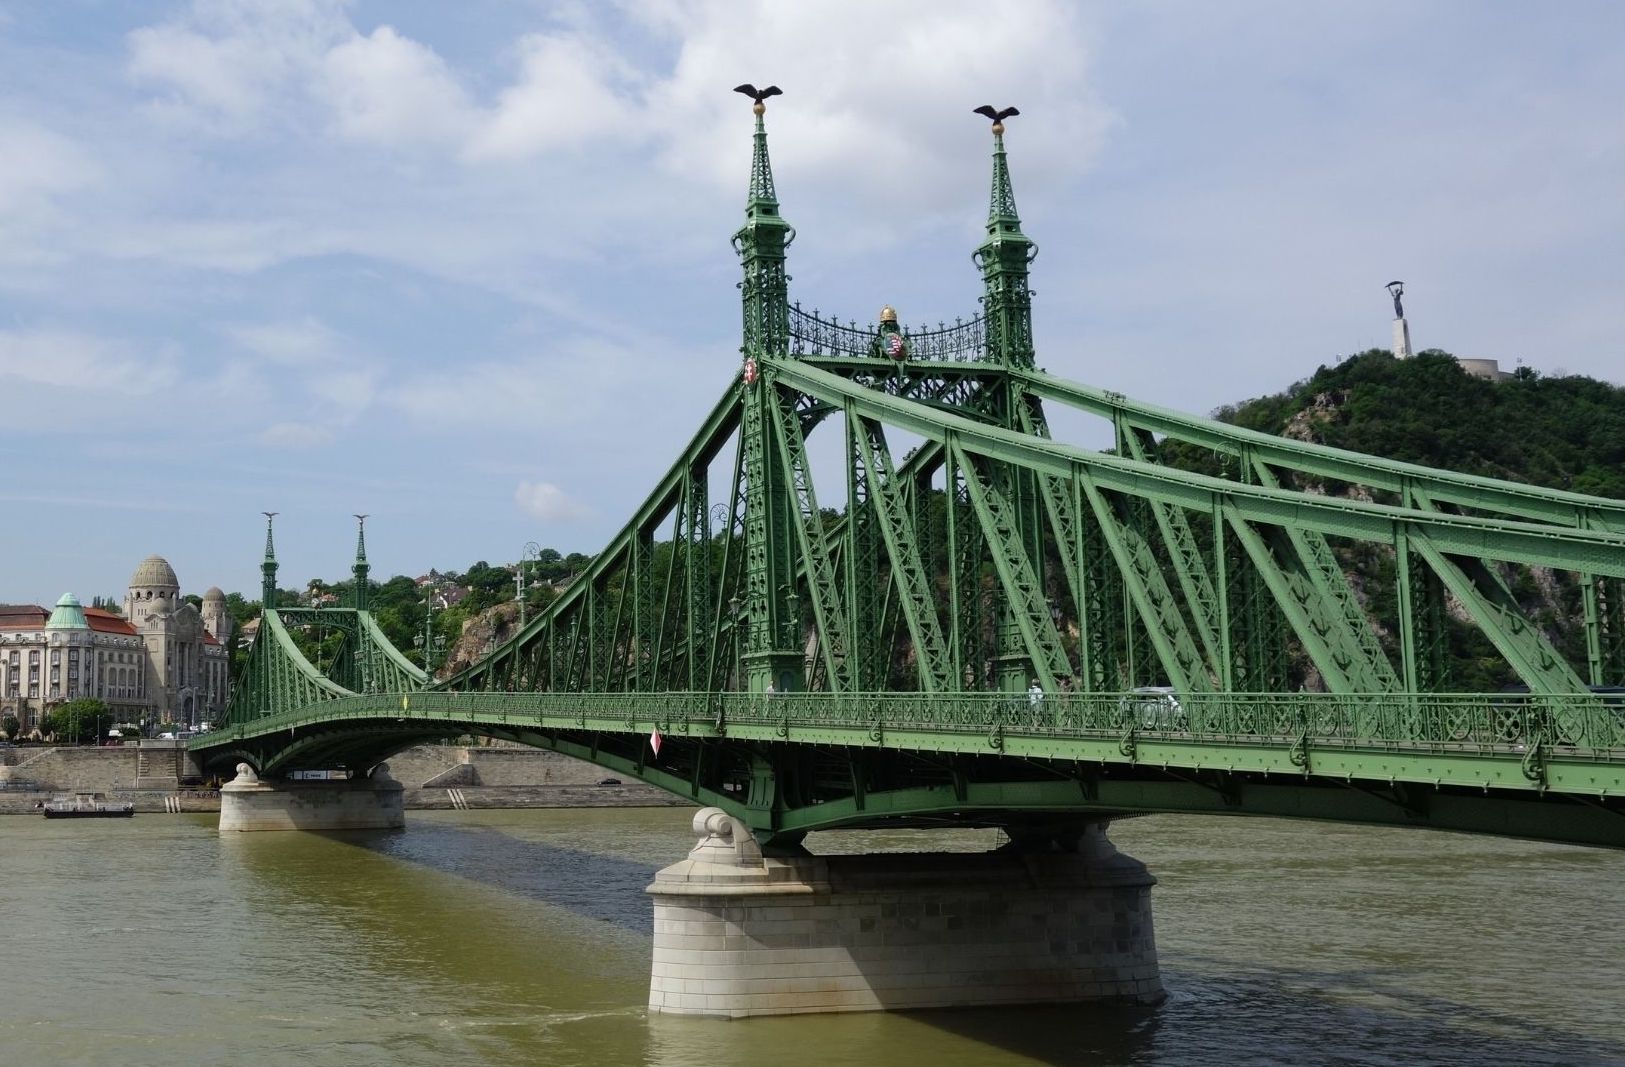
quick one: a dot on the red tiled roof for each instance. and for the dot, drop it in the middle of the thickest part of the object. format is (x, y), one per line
(23, 617)
(208, 638)
(108, 623)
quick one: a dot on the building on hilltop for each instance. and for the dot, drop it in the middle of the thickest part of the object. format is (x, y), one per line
(165, 660)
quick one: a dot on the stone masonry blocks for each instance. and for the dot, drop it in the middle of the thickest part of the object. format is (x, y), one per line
(736, 934)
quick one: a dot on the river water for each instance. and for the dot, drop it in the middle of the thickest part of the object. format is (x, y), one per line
(522, 937)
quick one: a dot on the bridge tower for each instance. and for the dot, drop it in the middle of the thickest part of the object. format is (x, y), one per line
(773, 648)
(360, 569)
(268, 567)
(1004, 258)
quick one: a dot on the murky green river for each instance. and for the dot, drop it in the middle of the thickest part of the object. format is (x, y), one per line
(522, 937)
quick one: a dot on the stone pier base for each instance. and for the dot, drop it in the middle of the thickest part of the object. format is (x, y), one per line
(736, 934)
(248, 803)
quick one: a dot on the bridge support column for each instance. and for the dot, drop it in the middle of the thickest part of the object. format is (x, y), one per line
(738, 934)
(249, 803)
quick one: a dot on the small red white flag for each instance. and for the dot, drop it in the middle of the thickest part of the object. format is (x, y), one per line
(654, 740)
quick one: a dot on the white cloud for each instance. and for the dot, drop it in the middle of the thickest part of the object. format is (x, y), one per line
(40, 165)
(546, 501)
(883, 113)
(392, 90)
(81, 361)
(295, 435)
(228, 61)
(566, 94)
(295, 342)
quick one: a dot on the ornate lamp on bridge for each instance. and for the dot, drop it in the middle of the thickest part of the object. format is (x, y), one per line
(529, 556)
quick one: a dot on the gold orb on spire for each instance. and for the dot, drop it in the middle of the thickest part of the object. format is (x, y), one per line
(888, 314)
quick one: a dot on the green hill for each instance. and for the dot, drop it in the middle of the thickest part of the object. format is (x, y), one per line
(1563, 432)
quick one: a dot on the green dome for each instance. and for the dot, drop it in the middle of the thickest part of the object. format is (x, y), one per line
(69, 615)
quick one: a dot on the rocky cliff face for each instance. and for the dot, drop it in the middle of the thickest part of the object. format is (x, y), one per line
(481, 635)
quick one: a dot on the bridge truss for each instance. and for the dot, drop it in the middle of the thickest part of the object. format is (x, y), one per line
(1199, 641)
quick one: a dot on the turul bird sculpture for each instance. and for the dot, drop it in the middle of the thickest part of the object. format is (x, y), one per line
(756, 94)
(998, 117)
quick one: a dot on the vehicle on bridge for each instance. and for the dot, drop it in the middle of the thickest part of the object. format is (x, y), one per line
(1154, 707)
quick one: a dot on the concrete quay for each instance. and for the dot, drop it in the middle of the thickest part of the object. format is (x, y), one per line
(435, 777)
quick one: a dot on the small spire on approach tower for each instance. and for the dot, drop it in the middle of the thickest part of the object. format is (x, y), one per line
(268, 566)
(1001, 213)
(360, 569)
(761, 243)
(1004, 257)
(761, 170)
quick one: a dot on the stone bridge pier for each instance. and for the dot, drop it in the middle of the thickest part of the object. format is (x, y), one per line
(250, 803)
(737, 933)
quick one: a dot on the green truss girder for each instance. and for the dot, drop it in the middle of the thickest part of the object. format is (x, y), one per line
(1513, 541)
(1024, 597)
(911, 582)
(834, 642)
(277, 679)
(1336, 601)
(1148, 589)
(1312, 615)
(1190, 569)
(1534, 503)
(1542, 667)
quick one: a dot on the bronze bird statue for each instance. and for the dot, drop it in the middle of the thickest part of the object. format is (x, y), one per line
(998, 117)
(758, 95)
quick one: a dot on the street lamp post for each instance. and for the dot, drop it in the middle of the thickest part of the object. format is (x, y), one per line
(426, 642)
(735, 624)
(531, 553)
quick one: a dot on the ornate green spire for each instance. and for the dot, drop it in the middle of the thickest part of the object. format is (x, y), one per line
(360, 569)
(761, 243)
(268, 567)
(1003, 258)
(772, 653)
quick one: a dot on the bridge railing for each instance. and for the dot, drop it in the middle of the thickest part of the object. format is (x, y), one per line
(1507, 723)
(959, 342)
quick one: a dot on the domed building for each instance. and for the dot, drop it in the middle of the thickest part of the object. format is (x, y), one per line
(164, 660)
(187, 661)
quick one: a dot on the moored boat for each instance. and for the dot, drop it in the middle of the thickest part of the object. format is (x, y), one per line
(85, 806)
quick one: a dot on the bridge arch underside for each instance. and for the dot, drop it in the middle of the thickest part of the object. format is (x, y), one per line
(785, 789)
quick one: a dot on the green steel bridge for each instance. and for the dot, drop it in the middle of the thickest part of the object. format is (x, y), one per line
(1200, 642)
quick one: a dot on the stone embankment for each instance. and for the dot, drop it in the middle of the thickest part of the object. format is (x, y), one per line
(154, 777)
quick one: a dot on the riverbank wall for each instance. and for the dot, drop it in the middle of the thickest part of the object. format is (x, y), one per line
(435, 776)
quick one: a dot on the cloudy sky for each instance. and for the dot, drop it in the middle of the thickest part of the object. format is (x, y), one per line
(465, 266)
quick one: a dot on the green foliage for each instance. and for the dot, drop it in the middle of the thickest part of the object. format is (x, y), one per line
(9, 726)
(1563, 432)
(86, 719)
